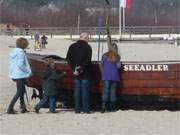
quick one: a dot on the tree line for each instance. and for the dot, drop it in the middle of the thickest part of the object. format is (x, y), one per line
(56, 13)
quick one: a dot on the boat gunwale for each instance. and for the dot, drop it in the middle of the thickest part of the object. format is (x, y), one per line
(41, 58)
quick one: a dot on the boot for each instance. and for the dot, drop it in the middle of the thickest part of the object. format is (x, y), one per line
(11, 111)
(104, 107)
(113, 106)
(23, 108)
(36, 109)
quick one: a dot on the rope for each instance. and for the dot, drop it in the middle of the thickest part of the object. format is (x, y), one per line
(109, 40)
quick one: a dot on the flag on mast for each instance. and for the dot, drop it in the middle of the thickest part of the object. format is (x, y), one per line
(125, 3)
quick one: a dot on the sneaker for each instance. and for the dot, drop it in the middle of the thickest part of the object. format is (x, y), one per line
(52, 112)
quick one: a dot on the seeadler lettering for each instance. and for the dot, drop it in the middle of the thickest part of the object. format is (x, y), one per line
(139, 67)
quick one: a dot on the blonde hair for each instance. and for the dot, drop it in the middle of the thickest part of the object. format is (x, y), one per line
(22, 43)
(112, 54)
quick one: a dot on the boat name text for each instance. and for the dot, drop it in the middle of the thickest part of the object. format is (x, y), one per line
(139, 67)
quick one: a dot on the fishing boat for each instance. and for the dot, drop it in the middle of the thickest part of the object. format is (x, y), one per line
(142, 82)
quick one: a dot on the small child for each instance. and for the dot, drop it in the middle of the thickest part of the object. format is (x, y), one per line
(44, 41)
(110, 77)
(50, 78)
(37, 46)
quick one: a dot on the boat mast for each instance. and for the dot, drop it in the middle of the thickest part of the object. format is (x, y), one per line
(109, 40)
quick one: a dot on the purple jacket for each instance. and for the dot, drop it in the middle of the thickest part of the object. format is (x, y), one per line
(110, 70)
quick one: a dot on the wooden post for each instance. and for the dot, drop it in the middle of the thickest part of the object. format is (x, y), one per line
(120, 32)
(124, 19)
(78, 24)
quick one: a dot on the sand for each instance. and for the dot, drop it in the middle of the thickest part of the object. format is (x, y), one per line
(66, 122)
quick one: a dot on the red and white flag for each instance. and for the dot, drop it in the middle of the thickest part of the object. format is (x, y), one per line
(125, 3)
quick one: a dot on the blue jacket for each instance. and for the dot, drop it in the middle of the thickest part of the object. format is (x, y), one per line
(19, 65)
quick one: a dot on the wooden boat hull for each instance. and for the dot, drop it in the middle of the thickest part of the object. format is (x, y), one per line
(162, 84)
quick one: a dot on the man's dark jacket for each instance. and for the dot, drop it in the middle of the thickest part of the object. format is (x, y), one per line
(79, 54)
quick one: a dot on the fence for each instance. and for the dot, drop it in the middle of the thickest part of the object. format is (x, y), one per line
(148, 30)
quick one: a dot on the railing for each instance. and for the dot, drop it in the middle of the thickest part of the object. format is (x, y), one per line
(93, 30)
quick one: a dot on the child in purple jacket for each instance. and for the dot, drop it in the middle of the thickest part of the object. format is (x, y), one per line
(110, 77)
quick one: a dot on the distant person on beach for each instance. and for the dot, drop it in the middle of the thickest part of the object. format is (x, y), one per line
(110, 65)
(27, 28)
(8, 29)
(37, 44)
(79, 58)
(44, 41)
(19, 71)
(36, 37)
(50, 78)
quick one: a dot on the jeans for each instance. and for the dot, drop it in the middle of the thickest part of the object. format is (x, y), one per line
(45, 99)
(109, 88)
(81, 93)
(20, 84)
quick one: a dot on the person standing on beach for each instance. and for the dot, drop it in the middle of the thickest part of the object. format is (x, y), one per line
(44, 41)
(36, 37)
(110, 65)
(79, 58)
(27, 28)
(37, 44)
(19, 71)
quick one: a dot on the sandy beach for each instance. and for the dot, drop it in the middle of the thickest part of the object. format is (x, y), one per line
(66, 122)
